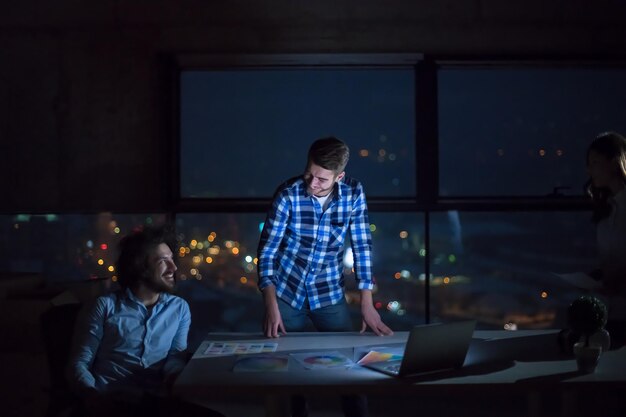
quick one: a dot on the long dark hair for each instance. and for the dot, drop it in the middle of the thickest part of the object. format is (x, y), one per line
(611, 145)
(132, 264)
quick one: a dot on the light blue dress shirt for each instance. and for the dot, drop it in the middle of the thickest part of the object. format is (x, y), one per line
(121, 344)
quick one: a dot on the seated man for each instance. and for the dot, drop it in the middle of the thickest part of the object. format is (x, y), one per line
(131, 344)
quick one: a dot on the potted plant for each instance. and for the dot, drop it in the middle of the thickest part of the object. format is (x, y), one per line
(586, 318)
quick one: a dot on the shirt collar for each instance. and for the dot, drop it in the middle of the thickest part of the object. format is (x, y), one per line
(163, 297)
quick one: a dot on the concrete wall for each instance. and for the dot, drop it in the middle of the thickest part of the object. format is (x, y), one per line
(85, 103)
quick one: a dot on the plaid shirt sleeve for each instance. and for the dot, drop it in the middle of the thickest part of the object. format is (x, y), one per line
(271, 237)
(361, 241)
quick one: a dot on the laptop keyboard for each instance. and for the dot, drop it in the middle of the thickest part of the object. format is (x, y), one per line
(393, 368)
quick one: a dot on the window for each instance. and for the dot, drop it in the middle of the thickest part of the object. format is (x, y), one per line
(523, 131)
(244, 132)
(66, 247)
(499, 267)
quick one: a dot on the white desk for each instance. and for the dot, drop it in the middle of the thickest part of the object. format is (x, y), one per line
(522, 361)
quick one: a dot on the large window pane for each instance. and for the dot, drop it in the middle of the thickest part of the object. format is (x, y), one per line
(498, 267)
(245, 132)
(68, 247)
(523, 131)
(218, 275)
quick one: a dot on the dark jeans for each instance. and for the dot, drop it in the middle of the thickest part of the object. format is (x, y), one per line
(334, 318)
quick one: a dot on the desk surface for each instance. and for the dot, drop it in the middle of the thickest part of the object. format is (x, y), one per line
(523, 360)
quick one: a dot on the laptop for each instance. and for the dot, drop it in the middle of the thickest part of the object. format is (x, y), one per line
(431, 347)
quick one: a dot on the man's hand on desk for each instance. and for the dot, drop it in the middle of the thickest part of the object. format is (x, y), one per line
(371, 317)
(272, 322)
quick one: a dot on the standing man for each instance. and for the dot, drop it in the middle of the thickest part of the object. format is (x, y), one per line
(131, 344)
(301, 254)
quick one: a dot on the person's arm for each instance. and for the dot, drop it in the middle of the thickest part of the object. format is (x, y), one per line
(177, 355)
(272, 322)
(361, 241)
(89, 331)
(269, 244)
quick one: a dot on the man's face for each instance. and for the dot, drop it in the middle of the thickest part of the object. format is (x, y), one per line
(320, 181)
(161, 270)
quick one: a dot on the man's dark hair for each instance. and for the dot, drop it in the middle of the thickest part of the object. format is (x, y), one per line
(132, 264)
(329, 153)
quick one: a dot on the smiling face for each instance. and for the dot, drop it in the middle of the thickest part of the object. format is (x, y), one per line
(161, 276)
(320, 181)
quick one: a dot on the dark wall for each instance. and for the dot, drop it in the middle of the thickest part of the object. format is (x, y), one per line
(85, 103)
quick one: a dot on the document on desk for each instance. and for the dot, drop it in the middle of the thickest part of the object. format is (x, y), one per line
(322, 360)
(580, 280)
(262, 363)
(237, 348)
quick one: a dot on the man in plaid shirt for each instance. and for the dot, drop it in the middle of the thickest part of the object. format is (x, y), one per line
(301, 253)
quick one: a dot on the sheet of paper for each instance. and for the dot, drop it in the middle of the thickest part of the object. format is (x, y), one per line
(374, 356)
(262, 363)
(322, 360)
(236, 348)
(580, 280)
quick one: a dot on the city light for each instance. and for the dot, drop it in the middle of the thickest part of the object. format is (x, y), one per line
(209, 260)
(111, 268)
(404, 234)
(116, 230)
(544, 294)
(235, 251)
(542, 152)
(104, 246)
(90, 244)
(422, 252)
(364, 153)
(446, 280)
(397, 275)
(372, 227)
(100, 261)
(197, 259)
(243, 280)
(193, 271)
(248, 258)
(452, 258)
(114, 278)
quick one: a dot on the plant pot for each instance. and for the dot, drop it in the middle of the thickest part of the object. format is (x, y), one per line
(587, 357)
(600, 338)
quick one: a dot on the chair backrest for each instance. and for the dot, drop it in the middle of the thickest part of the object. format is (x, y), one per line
(57, 329)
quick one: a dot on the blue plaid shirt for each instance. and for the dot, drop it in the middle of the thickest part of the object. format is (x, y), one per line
(301, 246)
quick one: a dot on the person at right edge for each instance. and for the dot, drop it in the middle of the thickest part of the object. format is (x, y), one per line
(606, 165)
(301, 256)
